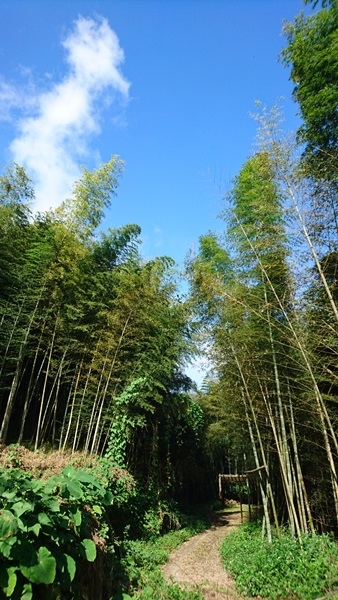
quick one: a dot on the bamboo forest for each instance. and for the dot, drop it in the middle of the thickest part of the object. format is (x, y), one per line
(94, 345)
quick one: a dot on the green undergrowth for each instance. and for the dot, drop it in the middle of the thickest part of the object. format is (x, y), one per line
(283, 569)
(55, 533)
(142, 559)
(89, 533)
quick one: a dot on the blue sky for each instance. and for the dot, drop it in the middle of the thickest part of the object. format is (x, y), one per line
(173, 101)
(167, 85)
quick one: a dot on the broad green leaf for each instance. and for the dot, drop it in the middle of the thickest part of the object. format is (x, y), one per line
(6, 546)
(108, 498)
(77, 517)
(97, 509)
(8, 580)
(74, 488)
(27, 593)
(8, 524)
(19, 508)
(36, 528)
(86, 478)
(66, 567)
(71, 566)
(68, 471)
(44, 519)
(53, 505)
(9, 495)
(90, 549)
(44, 570)
(21, 525)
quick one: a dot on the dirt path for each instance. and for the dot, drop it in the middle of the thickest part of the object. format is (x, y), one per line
(197, 562)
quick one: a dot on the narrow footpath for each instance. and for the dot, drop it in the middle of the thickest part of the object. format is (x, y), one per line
(197, 561)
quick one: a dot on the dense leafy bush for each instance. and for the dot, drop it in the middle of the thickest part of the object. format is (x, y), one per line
(72, 536)
(283, 569)
(47, 531)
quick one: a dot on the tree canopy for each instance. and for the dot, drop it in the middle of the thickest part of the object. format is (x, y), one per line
(94, 339)
(311, 52)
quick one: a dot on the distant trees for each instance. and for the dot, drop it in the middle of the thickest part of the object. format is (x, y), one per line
(265, 293)
(92, 338)
(311, 54)
(266, 332)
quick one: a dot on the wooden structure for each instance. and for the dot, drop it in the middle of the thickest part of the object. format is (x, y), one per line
(249, 479)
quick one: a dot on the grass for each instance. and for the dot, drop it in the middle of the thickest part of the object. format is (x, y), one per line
(142, 559)
(283, 569)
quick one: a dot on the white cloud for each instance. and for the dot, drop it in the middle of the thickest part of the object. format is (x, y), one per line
(199, 370)
(54, 130)
(9, 98)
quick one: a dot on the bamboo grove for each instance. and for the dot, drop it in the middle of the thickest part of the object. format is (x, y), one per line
(92, 337)
(266, 293)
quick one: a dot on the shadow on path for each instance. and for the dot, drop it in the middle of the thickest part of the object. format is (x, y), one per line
(197, 562)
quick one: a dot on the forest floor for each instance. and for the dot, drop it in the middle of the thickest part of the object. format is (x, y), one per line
(197, 564)
(194, 564)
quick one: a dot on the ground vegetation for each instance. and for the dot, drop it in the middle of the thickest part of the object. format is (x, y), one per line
(94, 340)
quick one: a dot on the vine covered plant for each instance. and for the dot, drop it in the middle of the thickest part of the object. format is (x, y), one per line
(48, 531)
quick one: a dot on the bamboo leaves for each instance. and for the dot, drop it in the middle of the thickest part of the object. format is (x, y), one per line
(257, 347)
(83, 319)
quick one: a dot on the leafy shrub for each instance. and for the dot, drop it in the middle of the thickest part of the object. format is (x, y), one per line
(46, 531)
(154, 587)
(283, 569)
(141, 560)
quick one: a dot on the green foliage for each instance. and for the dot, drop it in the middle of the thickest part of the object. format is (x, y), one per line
(154, 587)
(324, 3)
(257, 223)
(195, 417)
(141, 560)
(312, 55)
(46, 530)
(117, 247)
(91, 196)
(283, 569)
(127, 417)
(92, 338)
(241, 281)
(156, 549)
(16, 189)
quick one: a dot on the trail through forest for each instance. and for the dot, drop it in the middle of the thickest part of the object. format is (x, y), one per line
(197, 561)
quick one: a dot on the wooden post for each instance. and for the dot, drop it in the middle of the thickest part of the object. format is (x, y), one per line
(240, 502)
(220, 489)
(249, 497)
